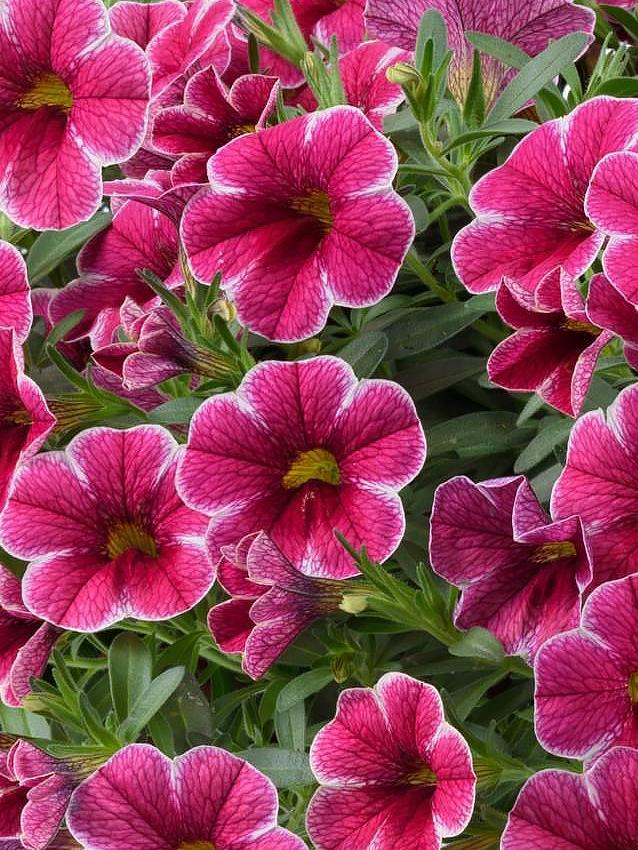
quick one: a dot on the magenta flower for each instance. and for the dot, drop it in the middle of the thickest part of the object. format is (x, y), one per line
(530, 26)
(74, 99)
(610, 309)
(365, 84)
(555, 348)
(25, 419)
(560, 810)
(210, 116)
(137, 238)
(272, 602)
(302, 449)
(393, 773)
(206, 799)
(25, 642)
(587, 679)
(141, 22)
(521, 574)
(531, 214)
(600, 483)
(15, 294)
(299, 217)
(157, 189)
(109, 535)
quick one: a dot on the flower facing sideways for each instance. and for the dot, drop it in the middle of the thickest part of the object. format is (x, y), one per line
(393, 774)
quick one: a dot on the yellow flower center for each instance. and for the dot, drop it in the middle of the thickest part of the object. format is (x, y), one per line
(19, 416)
(196, 845)
(549, 552)
(123, 536)
(242, 130)
(316, 204)
(48, 90)
(315, 465)
(632, 688)
(422, 775)
(581, 327)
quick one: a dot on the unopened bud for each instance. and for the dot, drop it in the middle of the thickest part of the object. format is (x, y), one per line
(403, 74)
(224, 309)
(354, 603)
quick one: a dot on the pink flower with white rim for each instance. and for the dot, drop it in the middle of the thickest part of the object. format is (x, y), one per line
(530, 26)
(25, 640)
(586, 697)
(608, 308)
(521, 574)
(75, 98)
(272, 602)
(108, 534)
(15, 294)
(531, 210)
(561, 810)
(394, 775)
(299, 450)
(157, 189)
(555, 348)
(141, 22)
(600, 484)
(299, 217)
(205, 799)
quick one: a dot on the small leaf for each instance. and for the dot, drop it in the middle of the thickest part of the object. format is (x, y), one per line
(506, 52)
(618, 87)
(432, 28)
(365, 352)
(479, 643)
(130, 672)
(150, 701)
(303, 686)
(177, 411)
(53, 246)
(286, 768)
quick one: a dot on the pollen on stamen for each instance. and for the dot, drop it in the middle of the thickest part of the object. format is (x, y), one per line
(632, 688)
(47, 90)
(581, 327)
(315, 204)
(314, 465)
(549, 552)
(196, 845)
(124, 536)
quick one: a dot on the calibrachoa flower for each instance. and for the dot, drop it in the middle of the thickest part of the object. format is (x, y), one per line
(25, 641)
(600, 483)
(109, 535)
(157, 189)
(587, 679)
(302, 449)
(141, 22)
(610, 309)
(531, 215)
(555, 347)
(560, 810)
(272, 602)
(25, 419)
(15, 294)
(521, 574)
(299, 217)
(74, 99)
(394, 775)
(530, 26)
(210, 116)
(206, 799)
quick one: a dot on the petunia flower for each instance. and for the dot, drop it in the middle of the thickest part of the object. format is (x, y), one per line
(365, 83)
(394, 775)
(560, 810)
(106, 531)
(141, 22)
(587, 679)
(530, 26)
(299, 217)
(15, 294)
(272, 602)
(25, 419)
(600, 483)
(302, 449)
(555, 348)
(157, 189)
(210, 116)
(521, 574)
(74, 98)
(205, 799)
(610, 309)
(531, 216)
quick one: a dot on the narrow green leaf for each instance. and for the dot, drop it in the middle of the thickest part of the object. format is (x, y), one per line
(149, 702)
(303, 686)
(130, 672)
(432, 28)
(177, 411)
(286, 768)
(506, 52)
(624, 17)
(365, 352)
(54, 246)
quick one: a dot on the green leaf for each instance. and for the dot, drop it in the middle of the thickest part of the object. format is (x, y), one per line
(618, 87)
(479, 643)
(130, 672)
(432, 28)
(303, 686)
(365, 352)
(53, 246)
(624, 17)
(538, 72)
(149, 703)
(427, 379)
(59, 331)
(467, 698)
(553, 433)
(290, 727)
(508, 127)
(286, 768)
(479, 434)
(507, 53)
(19, 721)
(177, 411)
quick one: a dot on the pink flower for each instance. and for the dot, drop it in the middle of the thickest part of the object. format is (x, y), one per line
(394, 775)
(587, 679)
(141, 22)
(109, 535)
(299, 217)
(365, 84)
(272, 602)
(25, 419)
(530, 26)
(137, 238)
(210, 116)
(531, 215)
(299, 450)
(555, 348)
(25, 640)
(560, 810)
(204, 799)
(521, 574)
(15, 294)
(600, 483)
(610, 309)
(157, 189)
(74, 99)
